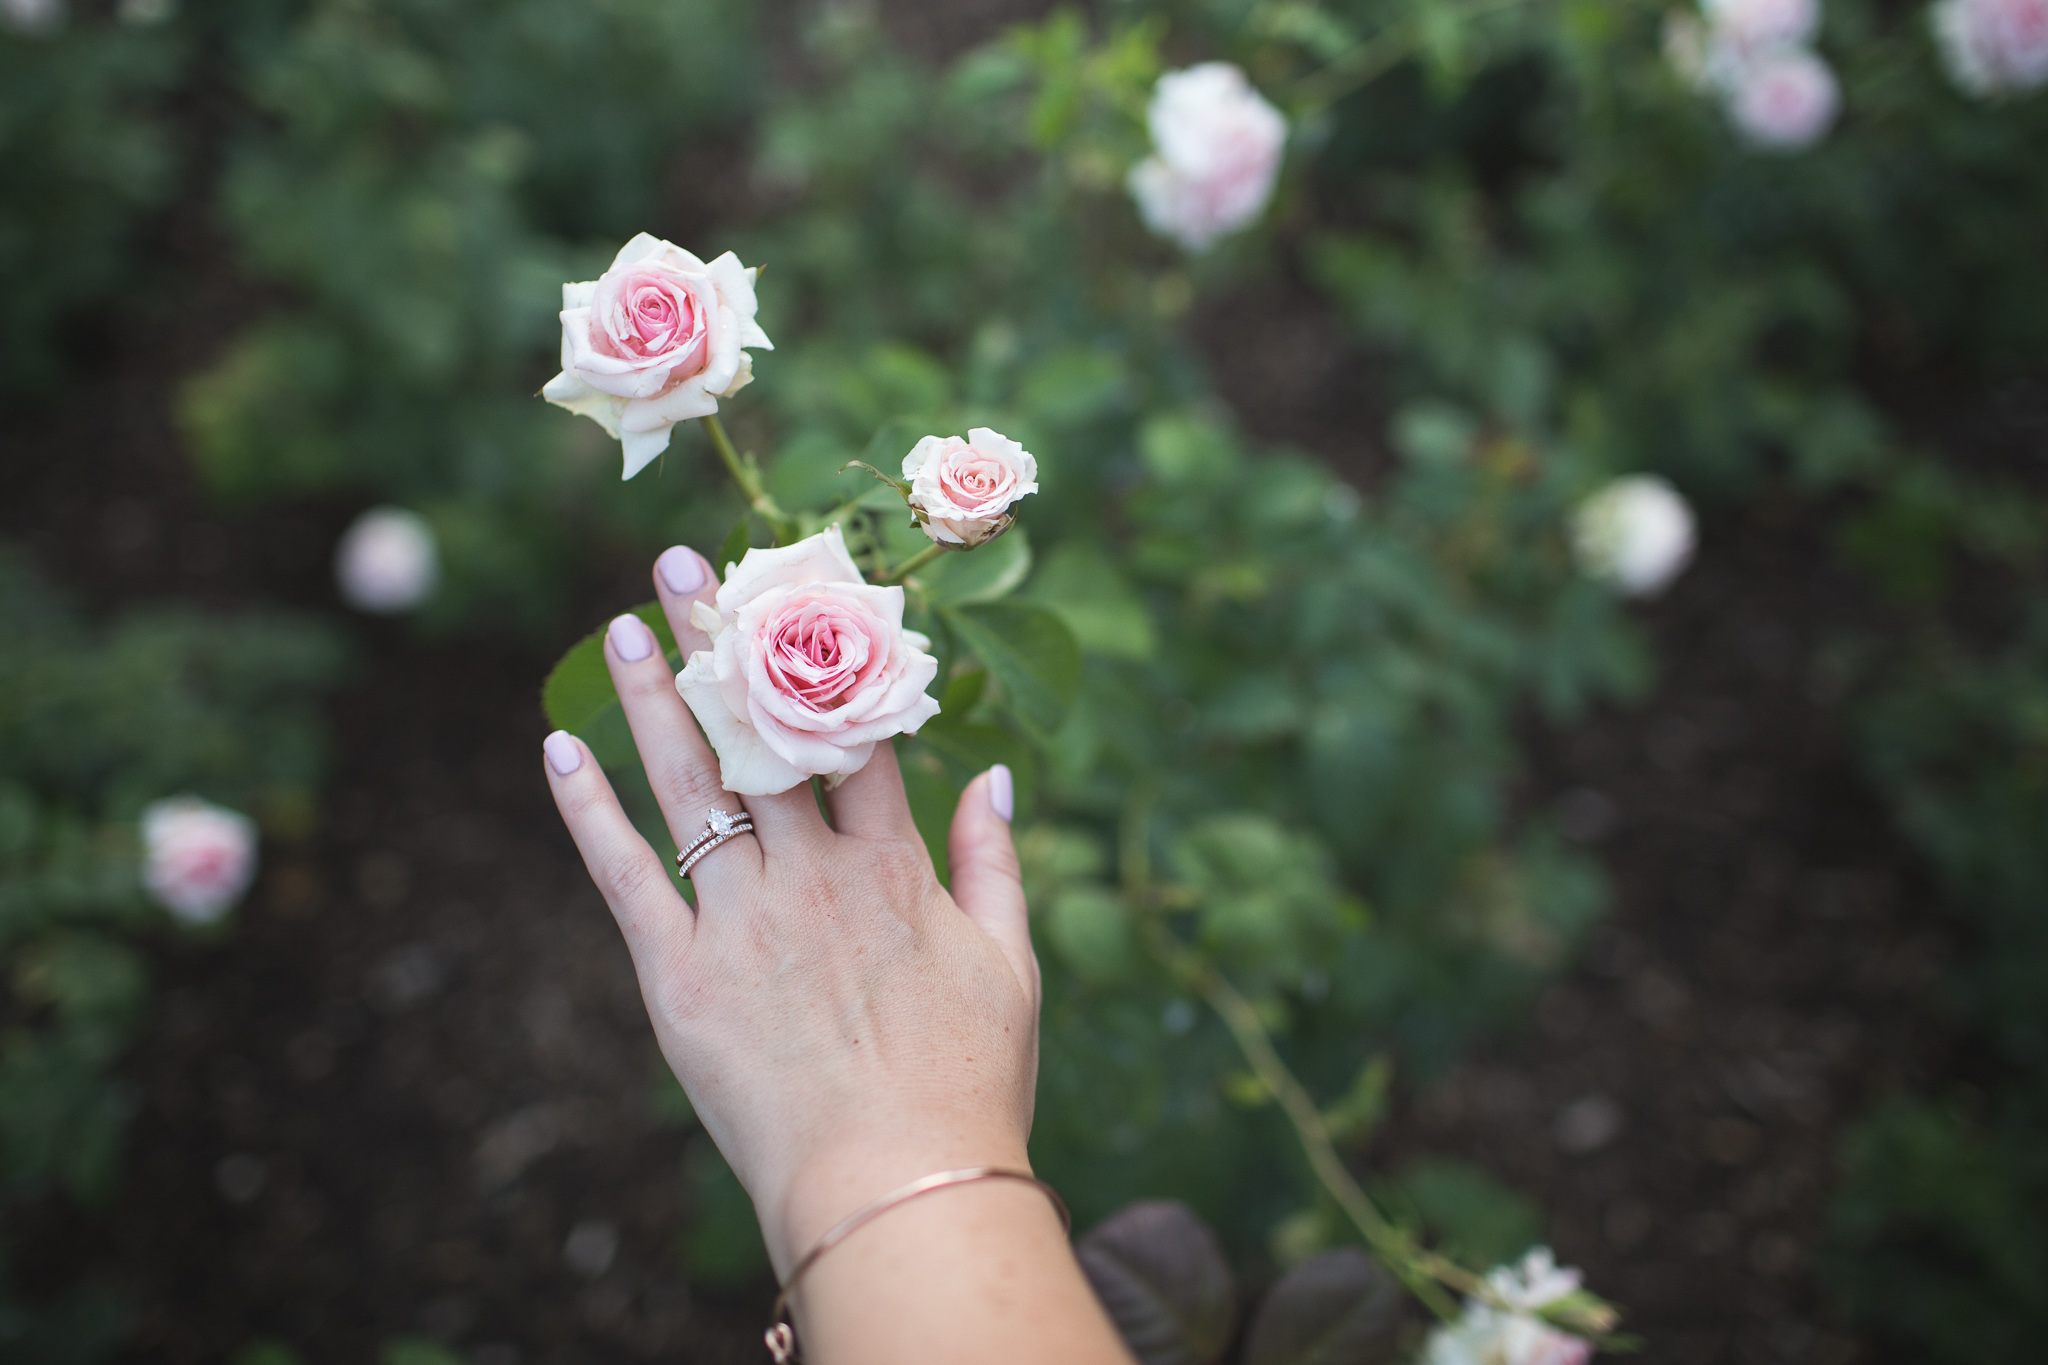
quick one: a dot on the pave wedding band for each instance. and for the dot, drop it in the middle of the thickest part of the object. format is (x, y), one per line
(719, 826)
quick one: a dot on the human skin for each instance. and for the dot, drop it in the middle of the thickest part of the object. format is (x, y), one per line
(843, 1026)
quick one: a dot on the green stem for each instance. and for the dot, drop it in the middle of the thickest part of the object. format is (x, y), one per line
(912, 564)
(1419, 1269)
(748, 478)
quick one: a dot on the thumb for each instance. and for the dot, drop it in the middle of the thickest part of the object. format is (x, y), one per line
(986, 883)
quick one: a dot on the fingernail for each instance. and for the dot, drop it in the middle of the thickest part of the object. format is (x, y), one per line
(632, 641)
(1002, 795)
(563, 754)
(680, 569)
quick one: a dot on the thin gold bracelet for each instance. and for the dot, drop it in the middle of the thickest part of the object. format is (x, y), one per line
(781, 1336)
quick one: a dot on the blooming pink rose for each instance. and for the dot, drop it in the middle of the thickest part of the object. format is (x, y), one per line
(1216, 155)
(198, 858)
(1784, 101)
(1994, 47)
(809, 668)
(654, 341)
(962, 491)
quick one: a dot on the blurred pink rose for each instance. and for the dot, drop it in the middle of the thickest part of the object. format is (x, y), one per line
(656, 340)
(198, 858)
(1742, 31)
(1216, 155)
(1785, 101)
(1994, 47)
(387, 561)
(809, 668)
(963, 490)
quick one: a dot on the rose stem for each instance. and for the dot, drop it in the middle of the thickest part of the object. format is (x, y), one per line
(749, 481)
(913, 564)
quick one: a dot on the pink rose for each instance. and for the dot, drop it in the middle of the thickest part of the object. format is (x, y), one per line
(1742, 31)
(1784, 101)
(1994, 47)
(198, 858)
(654, 341)
(962, 491)
(1216, 155)
(809, 668)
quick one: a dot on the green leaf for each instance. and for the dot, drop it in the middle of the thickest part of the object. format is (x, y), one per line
(1091, 596)
(1092, 930)
(1161, 1276)
(980, 575)
(1338, 1308)
(736, 545)
(578, 695)
(1030, 651)
(723, 1244)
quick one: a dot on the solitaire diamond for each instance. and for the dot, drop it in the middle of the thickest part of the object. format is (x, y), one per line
(721, 822)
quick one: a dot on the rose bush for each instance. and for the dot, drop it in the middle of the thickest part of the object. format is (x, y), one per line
(809, 668)
(657, 339)
(962, 491)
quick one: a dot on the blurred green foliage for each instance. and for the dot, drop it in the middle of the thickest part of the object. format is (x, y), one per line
(94, 724)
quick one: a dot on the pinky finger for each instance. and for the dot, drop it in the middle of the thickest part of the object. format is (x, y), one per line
(655, 919)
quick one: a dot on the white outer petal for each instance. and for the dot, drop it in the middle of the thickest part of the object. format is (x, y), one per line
(746, 765)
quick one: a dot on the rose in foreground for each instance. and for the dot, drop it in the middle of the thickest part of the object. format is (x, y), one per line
(809, 668)
(1637, 533)
(656, 340)
(198, 858)
(1216, 155)
(1993, 47)
(1785, 101)
(962, 491)
(1513, 1334)
(387, 561)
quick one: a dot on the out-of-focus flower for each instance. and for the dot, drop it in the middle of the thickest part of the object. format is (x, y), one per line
(656, 340)
(387, 561)
(1216, 147)
(31, 16)
(809, 668)
(1743, 30)
(1993, 47)
(1784, 101)
(198, 858)
(1637, 533)
(1513, 1334)
(962, 491)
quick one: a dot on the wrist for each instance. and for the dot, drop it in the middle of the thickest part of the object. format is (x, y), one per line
(838, 1180)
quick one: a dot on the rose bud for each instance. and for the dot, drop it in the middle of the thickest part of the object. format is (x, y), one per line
(198, 858)
(1993, 47)
(962, 491)
(809, 668)
(1784, 101)
(387, 561)
(656, 340)
(1216, 155)
(1636, 533)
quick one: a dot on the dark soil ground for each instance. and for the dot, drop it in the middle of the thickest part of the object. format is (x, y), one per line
(412, 1093)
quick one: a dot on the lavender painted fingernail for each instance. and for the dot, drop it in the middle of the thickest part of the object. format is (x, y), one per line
(564, 755)
(681, 570)
(1002, 795)
(632, 641)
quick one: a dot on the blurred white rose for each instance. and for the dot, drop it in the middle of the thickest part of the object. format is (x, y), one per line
(1636, 533)
(198, 858)
(1784, 101)
(1216, 155)
(1513, 1335)
(1740, 31)
(31, 16)
(387, 561)
(1993, 47)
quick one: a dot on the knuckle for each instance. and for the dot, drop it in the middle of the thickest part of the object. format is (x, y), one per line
(634, 878)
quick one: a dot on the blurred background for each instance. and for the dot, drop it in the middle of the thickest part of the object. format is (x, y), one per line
(1686, 917)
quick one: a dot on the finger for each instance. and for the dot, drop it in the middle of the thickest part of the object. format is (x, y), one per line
(656, 921)
(680, 766)
(683, 578)
(871, 803)
(986, 881)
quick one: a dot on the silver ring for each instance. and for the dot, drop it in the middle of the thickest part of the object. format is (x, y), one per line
(719, 826)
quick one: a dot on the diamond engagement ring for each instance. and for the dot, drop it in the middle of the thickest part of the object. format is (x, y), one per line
(719, 826)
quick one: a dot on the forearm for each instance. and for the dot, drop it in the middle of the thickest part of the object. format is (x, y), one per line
(978, 1272)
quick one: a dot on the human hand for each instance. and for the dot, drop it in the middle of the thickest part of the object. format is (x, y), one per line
(841, 1024)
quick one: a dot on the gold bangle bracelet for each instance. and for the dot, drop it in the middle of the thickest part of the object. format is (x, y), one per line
(781, 1336)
